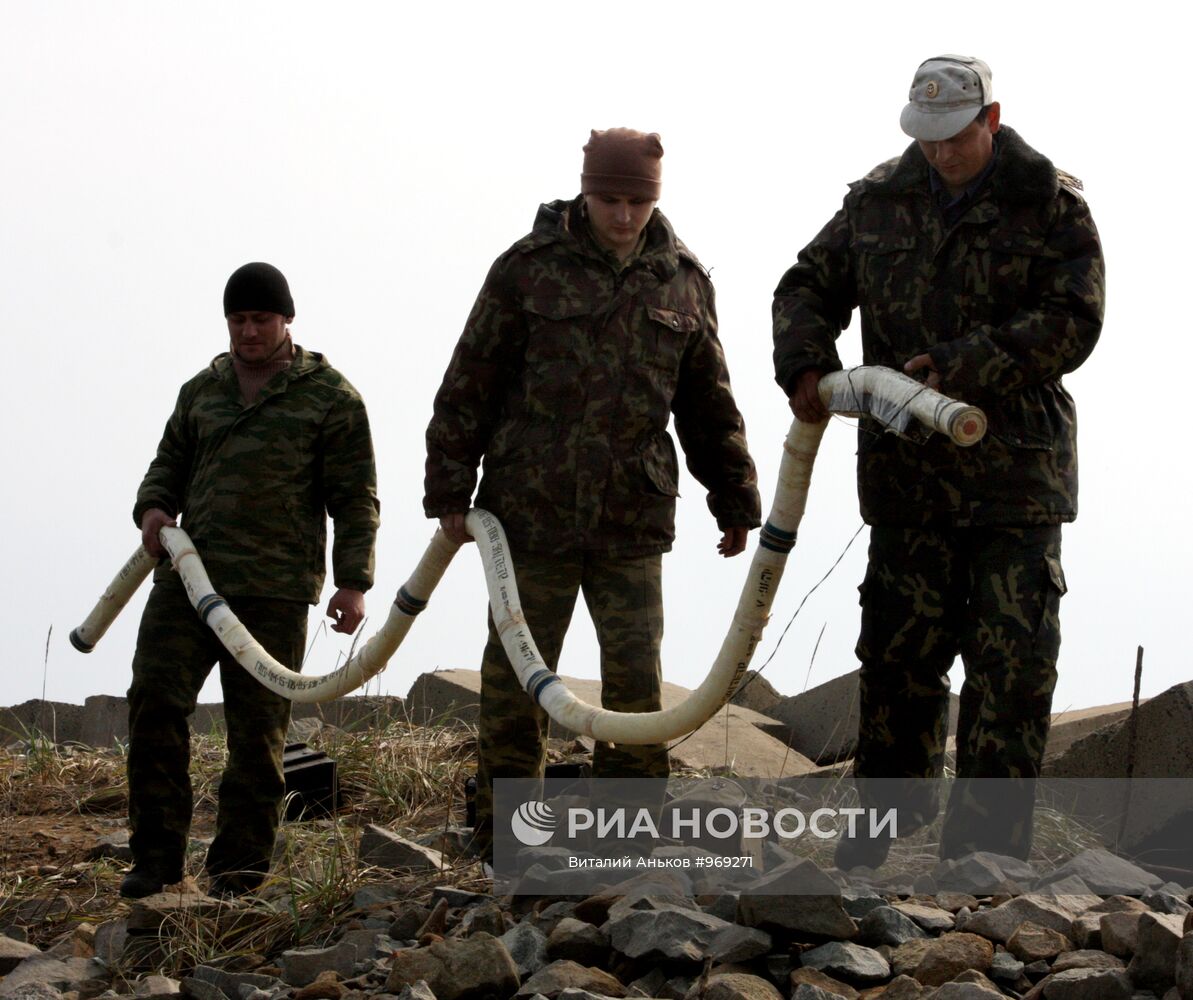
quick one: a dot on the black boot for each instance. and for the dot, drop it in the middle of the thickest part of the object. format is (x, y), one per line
(149, 877)
(861, 852)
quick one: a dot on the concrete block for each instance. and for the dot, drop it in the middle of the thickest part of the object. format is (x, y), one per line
(1158, 801)
(53, 720)
(748, 751)
(105, 720)
(444, 697)
(1070, 726)
(822, 721)
(353, 713)
(448, 695)
(755, 692)
(207, 718)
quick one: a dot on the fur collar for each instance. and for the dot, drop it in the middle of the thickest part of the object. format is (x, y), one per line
(1020, 175)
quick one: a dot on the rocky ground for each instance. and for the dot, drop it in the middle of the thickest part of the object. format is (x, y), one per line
(1096, 928)
(378, 902)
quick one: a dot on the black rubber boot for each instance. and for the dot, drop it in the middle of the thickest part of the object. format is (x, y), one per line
(147, 878)
(861, 852)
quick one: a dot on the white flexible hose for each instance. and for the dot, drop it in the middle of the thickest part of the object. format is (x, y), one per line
(879, 392)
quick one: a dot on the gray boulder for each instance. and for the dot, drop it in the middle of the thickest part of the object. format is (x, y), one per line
(739, 986)
(553, 979)
(456, 969)
(796, 897)
(672, 932)
(13, 953)
(929, 917)
(1088, 984)
(887, 925)
(579, 941)
(1153, 966)
(1183, 969)
(527, 946)
(1000, 922)
(950, 955)
(848, 961)
(301, 966)
(981, 873)
(1104, 873)
(64, 975)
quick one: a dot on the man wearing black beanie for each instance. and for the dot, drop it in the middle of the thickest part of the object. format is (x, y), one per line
(261, 446)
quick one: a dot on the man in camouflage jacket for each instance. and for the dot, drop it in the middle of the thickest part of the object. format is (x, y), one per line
(260, 447)
(976, 266)
(588, 335)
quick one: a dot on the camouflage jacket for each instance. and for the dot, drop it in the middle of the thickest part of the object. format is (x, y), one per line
(253, 483)
(564, 380)
(1006, 302)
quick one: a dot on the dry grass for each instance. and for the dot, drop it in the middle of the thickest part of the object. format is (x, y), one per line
(402, 776)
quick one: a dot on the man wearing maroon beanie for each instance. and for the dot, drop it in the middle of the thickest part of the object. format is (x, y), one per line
(589, 333)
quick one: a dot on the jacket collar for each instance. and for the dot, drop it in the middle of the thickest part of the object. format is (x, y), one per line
(1021, 174)
(561, 222)
(304, 363)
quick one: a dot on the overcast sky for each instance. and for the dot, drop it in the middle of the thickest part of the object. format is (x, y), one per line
(382, 155)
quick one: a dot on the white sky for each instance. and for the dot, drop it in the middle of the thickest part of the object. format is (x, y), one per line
(382, 155)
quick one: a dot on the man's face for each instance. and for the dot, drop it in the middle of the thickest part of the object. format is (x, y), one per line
(256, 336)
(617, 220)
(961, 158)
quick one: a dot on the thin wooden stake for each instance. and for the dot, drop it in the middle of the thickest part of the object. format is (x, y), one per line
(1132, 736)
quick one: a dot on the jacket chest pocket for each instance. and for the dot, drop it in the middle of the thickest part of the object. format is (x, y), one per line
(1002, 273)
(558, 347)
(666, 338)
(886, 267)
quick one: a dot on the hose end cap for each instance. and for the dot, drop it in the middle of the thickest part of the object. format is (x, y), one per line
(76, 640)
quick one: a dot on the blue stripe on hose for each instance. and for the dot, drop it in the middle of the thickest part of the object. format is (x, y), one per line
(539, 681)
(407, 603)
(208, 604)
(775, 539)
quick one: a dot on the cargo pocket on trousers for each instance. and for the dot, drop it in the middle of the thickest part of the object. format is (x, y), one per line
(1055, 587)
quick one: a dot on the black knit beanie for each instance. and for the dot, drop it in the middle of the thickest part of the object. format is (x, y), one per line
(258, 287)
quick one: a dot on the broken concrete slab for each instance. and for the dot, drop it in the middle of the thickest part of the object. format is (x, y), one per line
(445, 696)
(756, 693)
(1158, 802)
(822, 721)
(102, 720)
(34, 719)
(1069, 726)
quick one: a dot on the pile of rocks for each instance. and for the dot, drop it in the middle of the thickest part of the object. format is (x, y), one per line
(1097, 928)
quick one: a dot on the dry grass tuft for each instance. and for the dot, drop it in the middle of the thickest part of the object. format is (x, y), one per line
(402, 776)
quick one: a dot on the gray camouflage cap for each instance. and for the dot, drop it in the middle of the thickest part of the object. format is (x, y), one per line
(946, 95)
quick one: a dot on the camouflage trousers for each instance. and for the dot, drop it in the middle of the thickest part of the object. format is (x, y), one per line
(175, 653)
(625, 599)
(992, 595)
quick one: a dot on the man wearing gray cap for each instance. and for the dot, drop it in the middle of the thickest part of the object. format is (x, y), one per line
(976, 267)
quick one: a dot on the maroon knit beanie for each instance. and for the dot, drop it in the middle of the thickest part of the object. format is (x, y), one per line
(623, 161)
